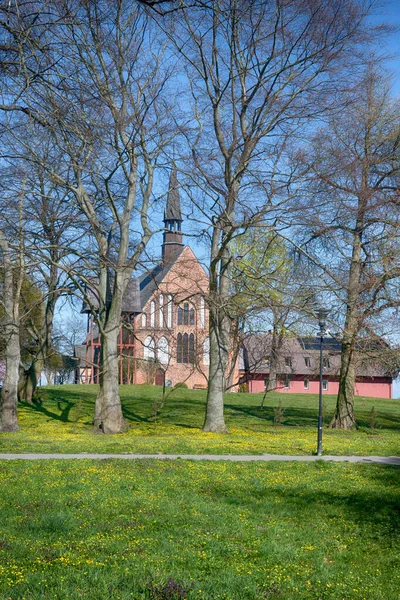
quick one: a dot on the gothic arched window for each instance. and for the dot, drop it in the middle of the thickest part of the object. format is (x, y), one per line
(163, 351)
(180, 316)
(186, 314)
(144, 320)
(148, 350)
(191, 316)
(179, 348)
(185, 348)
(152, 314)
(161, 313)
(191, 348)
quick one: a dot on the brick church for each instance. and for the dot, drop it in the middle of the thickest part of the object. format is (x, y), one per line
(166, 331)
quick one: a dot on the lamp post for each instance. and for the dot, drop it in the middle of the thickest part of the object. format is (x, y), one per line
(322, 314)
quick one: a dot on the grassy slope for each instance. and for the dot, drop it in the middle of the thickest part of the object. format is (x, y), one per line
(232, 531)
(62, 423)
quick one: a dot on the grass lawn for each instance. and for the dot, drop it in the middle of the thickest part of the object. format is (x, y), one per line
(62, 423)
(112, 529)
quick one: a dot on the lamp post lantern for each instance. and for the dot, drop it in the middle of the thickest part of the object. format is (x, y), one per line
(322, 315)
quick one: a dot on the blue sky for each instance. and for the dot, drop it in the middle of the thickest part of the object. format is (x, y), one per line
(390, 13)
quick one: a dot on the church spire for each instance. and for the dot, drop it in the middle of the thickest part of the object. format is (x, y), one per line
(172, 240)
(173, 209)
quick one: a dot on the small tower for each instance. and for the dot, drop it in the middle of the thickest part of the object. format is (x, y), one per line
(172, 239)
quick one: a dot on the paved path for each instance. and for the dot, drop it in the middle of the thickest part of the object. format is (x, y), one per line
(384, 460)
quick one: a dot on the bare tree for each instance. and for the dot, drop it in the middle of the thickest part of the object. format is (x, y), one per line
(98, 93)
(257, 71)
(355, 222)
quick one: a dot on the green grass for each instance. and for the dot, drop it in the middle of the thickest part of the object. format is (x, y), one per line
(62, 423)
(113, 529)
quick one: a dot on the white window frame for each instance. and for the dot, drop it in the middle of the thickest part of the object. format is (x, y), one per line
(144, 319)
(152, 313)
(306, 384)
(148, 350)
(286, 382)
(325, 385)
(161, 310)
(307, 360)
(163, 351)
(202, 313)
(169, 313)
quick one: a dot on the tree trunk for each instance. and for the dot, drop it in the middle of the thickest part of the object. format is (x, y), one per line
(108, 411)
(29, 379)
(219, 325)
(232, 360)
(11, 297)
(276, 343)
(9, 394)
(344, 413)
(214, 420)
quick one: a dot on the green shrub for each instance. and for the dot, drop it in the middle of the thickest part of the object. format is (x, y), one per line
(181, 384)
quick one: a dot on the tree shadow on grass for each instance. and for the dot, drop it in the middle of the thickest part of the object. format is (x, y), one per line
(302, 416)
(64, 406)
(292, 416)
(134, 417)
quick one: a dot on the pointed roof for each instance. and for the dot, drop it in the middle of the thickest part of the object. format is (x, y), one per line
(149, 282)
(173, 209)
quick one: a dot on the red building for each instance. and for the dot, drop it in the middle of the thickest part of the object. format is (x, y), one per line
(298, 367)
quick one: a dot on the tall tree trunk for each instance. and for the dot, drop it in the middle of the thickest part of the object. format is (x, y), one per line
(273, 360)
(29, 379)
(11, 297)
(344, 414)
(276, 344)
(233, 358)
(214, 420)
(108, 411)
(219, 325)
(9, 394)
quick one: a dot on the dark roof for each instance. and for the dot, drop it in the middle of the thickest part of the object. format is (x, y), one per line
(139, 289)
(257, 350)
(80, 355)
(312, 343)
(149, 282)
(173, 209)
(130, 300)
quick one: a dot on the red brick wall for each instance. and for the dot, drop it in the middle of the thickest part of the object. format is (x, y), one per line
(186, 282)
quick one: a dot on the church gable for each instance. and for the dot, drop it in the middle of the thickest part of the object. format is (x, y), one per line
(186, 277)
(183, 281)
